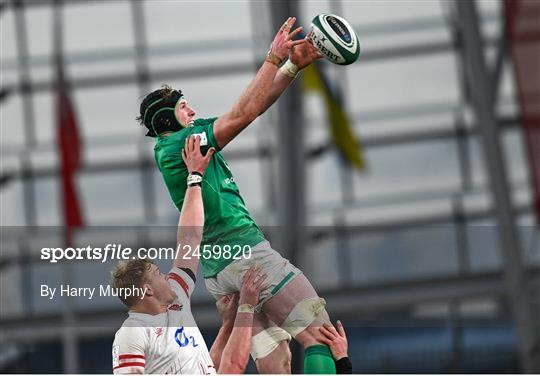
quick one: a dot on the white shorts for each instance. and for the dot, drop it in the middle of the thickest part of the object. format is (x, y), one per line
(279, 272)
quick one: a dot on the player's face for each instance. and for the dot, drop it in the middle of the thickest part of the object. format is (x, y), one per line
(161, 288)
(184, 113)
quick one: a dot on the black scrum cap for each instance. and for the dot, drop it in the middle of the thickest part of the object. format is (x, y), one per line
(157, 111)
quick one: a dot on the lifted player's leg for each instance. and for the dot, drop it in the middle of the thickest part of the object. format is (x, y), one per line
(270, 346)
(298, 309)
(289, 301)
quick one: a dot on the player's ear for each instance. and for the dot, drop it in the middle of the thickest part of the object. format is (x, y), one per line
(148, 289)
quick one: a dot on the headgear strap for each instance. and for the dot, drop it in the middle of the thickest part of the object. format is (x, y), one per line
(159, 116)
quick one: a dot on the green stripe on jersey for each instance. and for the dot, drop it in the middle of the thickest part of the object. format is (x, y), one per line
(280, 285)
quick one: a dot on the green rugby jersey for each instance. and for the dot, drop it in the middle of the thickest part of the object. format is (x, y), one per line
(227, 220)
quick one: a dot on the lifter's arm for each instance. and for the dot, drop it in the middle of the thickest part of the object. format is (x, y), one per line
(236, 353)
(252, 101)
(219, 344)
(191, 222)
(226, 306)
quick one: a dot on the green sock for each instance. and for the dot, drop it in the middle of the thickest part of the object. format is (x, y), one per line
(318, 359)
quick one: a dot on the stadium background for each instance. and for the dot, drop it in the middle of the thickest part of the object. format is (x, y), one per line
(429, 255)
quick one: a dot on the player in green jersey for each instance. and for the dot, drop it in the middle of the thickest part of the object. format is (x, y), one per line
(232, 241)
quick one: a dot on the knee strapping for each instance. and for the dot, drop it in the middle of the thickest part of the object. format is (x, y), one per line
(263, 343)
(303, 314)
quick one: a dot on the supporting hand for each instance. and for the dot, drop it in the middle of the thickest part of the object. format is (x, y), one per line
(227, 306)
(252, 285)
(191, 154)
(335, 339)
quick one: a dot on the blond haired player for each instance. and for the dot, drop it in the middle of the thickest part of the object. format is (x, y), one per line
(160, 335)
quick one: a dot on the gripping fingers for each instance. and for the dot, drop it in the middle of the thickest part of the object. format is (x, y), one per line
(209, 154)
(331, 329)
(248, 277)
(295, 32)
(327, 333)
(259, 281)
(255, 275)
(340, 328)
(197, 145)
(189, 145)
(223, 300)
(326, 341)
(311, 47)
(284, 26)
(293, 43)
(288, 24)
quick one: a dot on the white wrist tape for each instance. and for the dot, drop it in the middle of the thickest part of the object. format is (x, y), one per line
(194, 179)
(246, 308)
(289, 69)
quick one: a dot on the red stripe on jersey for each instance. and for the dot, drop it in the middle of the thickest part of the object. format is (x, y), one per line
(130, 364)
(128, 356)
(122, 361)
(181, 282)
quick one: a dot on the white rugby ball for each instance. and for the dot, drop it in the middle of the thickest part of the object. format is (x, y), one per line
(335, 39)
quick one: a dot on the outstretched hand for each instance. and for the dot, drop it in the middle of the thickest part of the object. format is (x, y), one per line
(191, 154)
(283, 41)
(304, 53)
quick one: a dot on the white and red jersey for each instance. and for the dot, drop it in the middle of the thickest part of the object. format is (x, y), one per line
(166, 343)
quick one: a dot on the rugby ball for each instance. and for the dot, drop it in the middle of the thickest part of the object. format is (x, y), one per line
(335, 39)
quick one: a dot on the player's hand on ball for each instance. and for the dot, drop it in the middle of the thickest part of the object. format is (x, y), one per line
(304, 54)
(335, 339)
(227, 306)
(191, 154)
(283, 41)
(252, 285)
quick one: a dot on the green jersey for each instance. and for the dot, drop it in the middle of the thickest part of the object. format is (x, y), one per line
(227, 223)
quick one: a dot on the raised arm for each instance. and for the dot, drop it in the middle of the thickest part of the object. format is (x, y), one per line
(236, 353)
(252, 101)
(191, 222)
(226, 306)
(300, 57)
